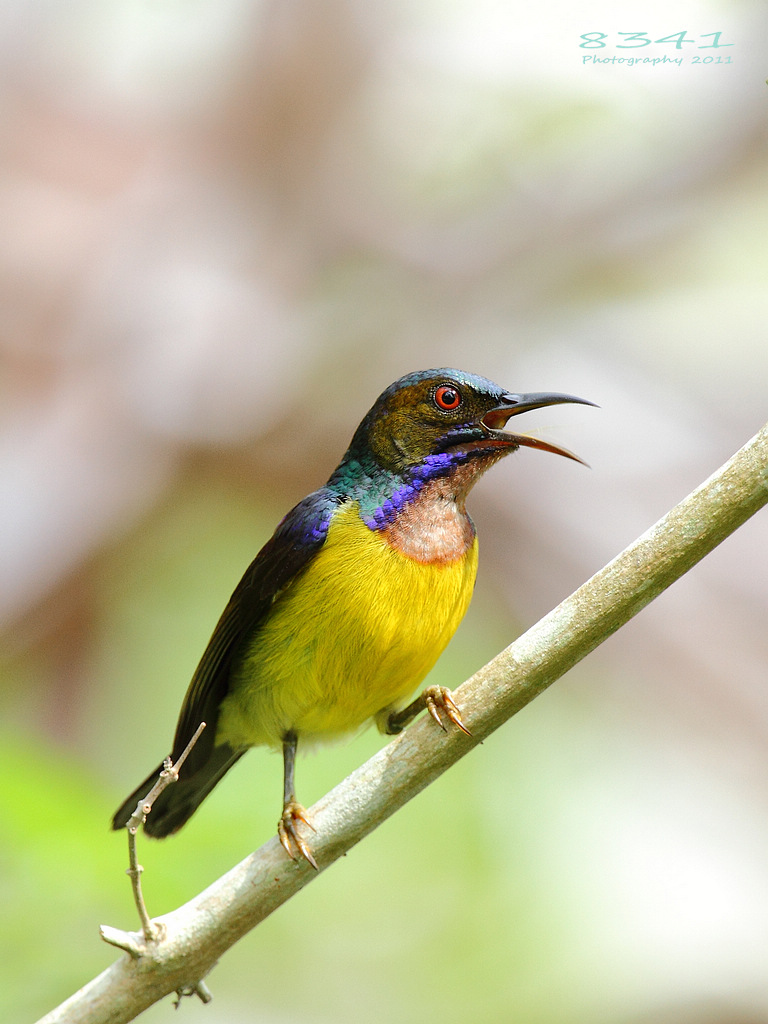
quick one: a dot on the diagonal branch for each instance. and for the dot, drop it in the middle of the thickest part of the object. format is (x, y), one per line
(196, 935)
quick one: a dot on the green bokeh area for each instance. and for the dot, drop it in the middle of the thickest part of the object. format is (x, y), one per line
(447, 908)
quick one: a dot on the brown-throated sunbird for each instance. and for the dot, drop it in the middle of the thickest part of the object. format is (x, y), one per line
(349, 604)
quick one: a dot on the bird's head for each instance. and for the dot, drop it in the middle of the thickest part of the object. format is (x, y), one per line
(451, 415)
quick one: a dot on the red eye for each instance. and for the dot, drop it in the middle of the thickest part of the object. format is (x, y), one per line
(447, 397)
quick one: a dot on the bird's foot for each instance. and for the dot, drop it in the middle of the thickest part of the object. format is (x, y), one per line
(288, 831)
(439, 699)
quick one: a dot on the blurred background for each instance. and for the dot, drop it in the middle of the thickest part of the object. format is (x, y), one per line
(226, 227)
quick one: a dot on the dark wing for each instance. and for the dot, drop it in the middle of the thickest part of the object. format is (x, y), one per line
(290, 549)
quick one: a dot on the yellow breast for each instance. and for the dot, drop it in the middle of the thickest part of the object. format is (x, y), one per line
(354, 633)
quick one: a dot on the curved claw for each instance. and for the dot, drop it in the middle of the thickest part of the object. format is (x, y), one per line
(439, 698)
(288, 832)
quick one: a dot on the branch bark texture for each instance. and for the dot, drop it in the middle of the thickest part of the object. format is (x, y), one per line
(193, 937)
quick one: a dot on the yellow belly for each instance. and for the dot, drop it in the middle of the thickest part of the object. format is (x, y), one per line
(355, 633)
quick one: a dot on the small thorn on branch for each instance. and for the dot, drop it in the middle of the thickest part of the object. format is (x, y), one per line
(200, 990)
(121, 939)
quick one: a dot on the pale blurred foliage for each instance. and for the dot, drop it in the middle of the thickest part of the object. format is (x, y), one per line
(225, 228)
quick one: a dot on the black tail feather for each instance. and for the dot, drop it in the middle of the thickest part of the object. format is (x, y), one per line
(179, 800)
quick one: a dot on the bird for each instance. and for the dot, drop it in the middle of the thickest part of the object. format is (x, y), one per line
(349, 604)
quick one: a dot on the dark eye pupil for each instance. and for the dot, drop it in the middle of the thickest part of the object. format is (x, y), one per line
(447, 397)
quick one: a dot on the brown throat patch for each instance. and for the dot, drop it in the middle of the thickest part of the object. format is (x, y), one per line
(435, 526)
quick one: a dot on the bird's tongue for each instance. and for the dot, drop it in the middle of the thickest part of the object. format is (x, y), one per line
(496, 421)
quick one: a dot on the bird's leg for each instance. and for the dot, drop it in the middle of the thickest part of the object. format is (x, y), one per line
(435, 699)
(293, 812)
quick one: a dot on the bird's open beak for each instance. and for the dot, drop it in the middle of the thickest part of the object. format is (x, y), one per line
(496, 419)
